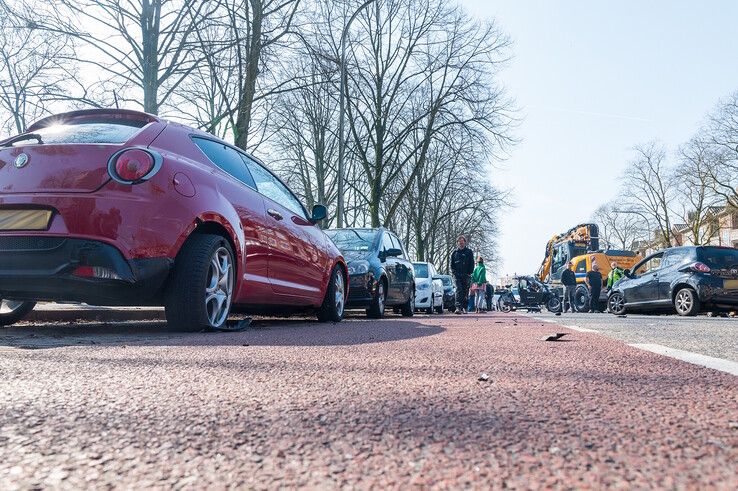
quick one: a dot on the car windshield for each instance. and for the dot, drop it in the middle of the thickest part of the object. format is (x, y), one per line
(87, 132)
(352, 240)
(421, 270)
(719, 258)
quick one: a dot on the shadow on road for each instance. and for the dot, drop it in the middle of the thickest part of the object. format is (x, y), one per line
(261, 332)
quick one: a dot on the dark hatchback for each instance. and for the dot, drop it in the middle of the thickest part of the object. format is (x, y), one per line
(380, 274)
(687, 279)
(449, 291)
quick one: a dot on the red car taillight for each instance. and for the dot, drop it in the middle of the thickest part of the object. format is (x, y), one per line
(700, 267)
(133, 165)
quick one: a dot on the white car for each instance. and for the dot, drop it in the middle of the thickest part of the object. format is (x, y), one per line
(428, 288)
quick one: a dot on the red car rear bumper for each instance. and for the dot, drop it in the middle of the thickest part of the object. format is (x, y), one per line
(78, 270)
(111, 247)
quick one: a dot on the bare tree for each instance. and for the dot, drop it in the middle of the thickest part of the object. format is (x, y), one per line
(698, 199)
(144, 45)
(649, 190)
(32, 80)
(452, 184)
(419, 67)
(619, 229)
(244, 48)
(307, 141)
(722, 132)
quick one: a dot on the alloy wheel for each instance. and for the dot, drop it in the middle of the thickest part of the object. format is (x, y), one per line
(339, 292)
(684, 301)
(616, 303)
(219, 290)
(9, 306)
(381, 299)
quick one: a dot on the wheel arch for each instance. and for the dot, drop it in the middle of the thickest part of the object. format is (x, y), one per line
(678, 286)
(216, 225)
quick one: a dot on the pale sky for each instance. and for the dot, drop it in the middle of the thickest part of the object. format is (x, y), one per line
(592, 79)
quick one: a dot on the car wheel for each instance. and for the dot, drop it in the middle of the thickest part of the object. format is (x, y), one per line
(439, 309)
(553, 304)
(200, 293)
(408, 308)
(335, 298)
(432, 307)
(581, 299)
(616, 304)
(686, 302)
(12, 311)
(376, 308)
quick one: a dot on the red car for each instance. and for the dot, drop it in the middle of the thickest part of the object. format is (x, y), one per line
(117, 207)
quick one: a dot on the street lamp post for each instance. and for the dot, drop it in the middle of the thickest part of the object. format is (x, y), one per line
(342, 110)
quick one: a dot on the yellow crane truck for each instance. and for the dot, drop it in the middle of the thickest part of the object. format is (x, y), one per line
(580, 246)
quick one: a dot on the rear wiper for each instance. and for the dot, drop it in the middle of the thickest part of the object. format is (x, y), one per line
(26, 136)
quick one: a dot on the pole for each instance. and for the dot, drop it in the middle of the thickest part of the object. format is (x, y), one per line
(341, 115)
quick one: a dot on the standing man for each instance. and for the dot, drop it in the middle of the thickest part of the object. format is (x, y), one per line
(614, 275)
(594, 282)
(569, 280)
(462, 266)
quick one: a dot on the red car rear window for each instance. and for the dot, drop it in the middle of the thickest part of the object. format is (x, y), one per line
(88, 132)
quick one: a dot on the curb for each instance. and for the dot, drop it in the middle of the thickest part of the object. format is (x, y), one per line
(94, 314)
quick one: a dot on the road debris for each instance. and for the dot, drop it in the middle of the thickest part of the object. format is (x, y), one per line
(236, 325)
(554, 337)
(483, 377)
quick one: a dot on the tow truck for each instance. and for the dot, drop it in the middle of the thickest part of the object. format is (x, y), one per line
(580, 246)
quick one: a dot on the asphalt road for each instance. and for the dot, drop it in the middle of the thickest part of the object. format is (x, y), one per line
(711, 336)
(359, 404)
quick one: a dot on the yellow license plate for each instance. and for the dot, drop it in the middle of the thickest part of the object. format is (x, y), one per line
(24, 219)
(730, 284)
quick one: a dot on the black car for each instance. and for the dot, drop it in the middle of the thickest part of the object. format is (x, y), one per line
(686, 279)
(449, 291)
(380, 274)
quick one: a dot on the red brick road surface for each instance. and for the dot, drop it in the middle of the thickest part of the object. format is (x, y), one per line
(358, 404)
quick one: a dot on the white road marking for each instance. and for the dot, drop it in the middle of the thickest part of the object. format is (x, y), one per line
(727, 366)
(548, 320)
(580, 329)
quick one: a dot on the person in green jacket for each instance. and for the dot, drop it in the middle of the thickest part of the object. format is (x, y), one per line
(479, 284)
(615, 274)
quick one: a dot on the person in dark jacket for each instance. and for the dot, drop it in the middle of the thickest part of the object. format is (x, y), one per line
(594, 282)
(462, 266)
(489, 293)
(569, 280)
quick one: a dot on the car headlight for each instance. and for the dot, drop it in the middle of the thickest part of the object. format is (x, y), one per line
(423, 286)
(358, 267)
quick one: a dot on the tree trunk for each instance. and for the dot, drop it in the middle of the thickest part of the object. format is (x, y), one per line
(150, 13)
(248, 89)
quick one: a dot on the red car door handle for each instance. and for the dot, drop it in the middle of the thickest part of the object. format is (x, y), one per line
(275, 214)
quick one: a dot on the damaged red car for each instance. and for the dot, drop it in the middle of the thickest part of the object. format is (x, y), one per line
(118, 207)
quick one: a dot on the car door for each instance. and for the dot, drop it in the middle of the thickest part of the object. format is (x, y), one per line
(643, 287)
(436, 291)
(403, 271)
(239, 189)
(298, 262)
(390, 267)
(673, 259)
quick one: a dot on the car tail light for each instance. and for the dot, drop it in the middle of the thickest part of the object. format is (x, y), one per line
(700, 267)
(133, 165)
(96, 272)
